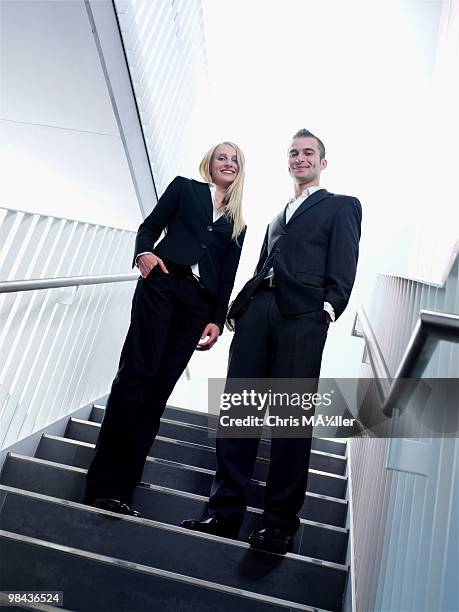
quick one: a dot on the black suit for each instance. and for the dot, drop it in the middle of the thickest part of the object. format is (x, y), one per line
(314, 256)
(281, 333)
(186, 210)
(169, 313)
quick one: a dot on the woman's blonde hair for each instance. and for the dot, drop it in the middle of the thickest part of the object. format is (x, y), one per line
(233, 197)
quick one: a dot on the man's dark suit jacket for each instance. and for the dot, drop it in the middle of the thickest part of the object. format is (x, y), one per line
(314, 256)
(185, 211)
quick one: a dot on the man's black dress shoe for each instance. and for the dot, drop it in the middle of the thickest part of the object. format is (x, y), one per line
(271, 539)
(114, 506)
(213, 524)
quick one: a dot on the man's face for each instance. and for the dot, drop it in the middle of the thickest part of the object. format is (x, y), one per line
(304, 163)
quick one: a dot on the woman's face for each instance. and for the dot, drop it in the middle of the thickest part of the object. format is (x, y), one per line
(224, 166)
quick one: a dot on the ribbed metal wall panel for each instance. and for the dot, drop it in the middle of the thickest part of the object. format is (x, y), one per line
(405, 524)
(165, 47)
(59, 348)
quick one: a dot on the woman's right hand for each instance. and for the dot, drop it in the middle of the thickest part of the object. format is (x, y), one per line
(148, 261)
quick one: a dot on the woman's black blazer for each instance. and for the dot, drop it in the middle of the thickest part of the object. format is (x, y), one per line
(185, 212)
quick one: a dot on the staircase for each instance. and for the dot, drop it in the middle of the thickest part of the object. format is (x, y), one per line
(106, 562)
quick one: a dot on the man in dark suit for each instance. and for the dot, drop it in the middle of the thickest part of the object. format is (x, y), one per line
(303, 281)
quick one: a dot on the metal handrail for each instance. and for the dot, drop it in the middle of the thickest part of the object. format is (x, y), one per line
(70, 281)
(431, 327)
(377, 361)
(64, 281)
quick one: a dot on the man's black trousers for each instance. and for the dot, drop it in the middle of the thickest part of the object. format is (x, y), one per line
(169, 313)
(268, 345)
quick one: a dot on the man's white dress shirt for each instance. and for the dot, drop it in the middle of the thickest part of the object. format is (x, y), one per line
(292, 207)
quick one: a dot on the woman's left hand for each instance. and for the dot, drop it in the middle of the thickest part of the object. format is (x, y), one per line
(211, 333)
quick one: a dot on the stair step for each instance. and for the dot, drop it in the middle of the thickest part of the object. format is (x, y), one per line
(175, 424)
(173, 549)
(93, 581)
(67, 482)
(173, 413)
(313, 539)
(201, 455)
(173, 474)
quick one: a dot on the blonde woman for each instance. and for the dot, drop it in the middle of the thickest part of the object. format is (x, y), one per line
(179, 305)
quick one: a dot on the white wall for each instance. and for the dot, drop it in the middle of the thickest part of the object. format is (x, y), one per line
(364, 76)
(61, 151)
(436, 219)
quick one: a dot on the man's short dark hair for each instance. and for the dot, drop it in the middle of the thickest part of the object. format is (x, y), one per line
(307, 134)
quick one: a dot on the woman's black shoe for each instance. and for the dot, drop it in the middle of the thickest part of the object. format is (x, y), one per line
(271, 539)
(213, 524)
(115, 506)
